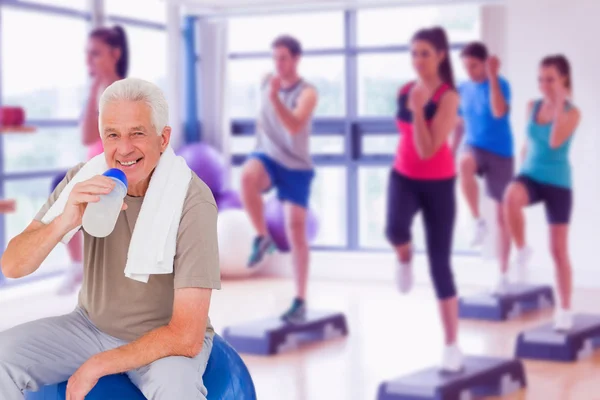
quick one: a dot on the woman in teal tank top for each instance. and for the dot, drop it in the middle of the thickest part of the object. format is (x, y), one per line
(545, 176)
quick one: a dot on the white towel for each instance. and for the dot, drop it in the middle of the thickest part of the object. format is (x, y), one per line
(153, 242)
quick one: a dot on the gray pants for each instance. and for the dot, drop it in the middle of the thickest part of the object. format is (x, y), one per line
(50, 350)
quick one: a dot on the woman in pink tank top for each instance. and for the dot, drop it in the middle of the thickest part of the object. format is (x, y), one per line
(423, 178)
(107, 61)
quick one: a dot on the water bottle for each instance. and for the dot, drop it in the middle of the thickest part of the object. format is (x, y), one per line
(99, 218)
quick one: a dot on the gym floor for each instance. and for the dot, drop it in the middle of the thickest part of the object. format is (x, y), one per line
(390, 335)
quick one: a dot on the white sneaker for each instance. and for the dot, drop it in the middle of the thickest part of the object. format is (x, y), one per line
(404, 276)
(502, 285)
(479, 232)
(452, 359)
(523, 257)
(563, 320)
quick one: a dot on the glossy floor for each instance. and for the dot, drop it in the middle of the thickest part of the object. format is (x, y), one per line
(390, 335)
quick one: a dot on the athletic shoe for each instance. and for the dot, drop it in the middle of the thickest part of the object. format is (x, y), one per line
(452, 359)
(563, 320)
(262, 246)
(480, 231)
(296, 313)
(523, 256)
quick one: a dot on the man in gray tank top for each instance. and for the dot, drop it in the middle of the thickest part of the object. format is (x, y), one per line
(282, 160)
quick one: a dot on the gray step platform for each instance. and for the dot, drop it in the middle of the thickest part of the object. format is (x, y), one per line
(274, 336)
(544, 343)
(481, 377)
(518, 300)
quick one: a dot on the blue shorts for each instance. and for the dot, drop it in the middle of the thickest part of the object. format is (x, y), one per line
(292, 185)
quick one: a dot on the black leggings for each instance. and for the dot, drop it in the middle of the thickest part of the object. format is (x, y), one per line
(437, 201)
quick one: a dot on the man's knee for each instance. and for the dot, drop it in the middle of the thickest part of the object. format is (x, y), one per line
(467, 165)
(171, 378)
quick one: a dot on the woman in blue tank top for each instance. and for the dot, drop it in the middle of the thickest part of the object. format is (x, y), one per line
(545, 175)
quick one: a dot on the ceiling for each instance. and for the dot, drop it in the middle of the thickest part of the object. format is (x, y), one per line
(241, 7)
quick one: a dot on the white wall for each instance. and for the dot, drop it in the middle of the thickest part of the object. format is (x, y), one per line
(535, 28)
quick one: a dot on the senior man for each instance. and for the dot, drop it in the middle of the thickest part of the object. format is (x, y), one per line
(156, 329)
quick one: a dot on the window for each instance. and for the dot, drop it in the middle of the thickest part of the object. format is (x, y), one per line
(325, 72)
(313, 30)
(379, 78)
(47, 148)
(45, 77)
(381, 75)
(330, 144)
(147, 54)
(80, 5)
(149, 10)
(382, 65)
(396, 26)
(328, 202)
(372, 203)
(244, 86)
(379, 144)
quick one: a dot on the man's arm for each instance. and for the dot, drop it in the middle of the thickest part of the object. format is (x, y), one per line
(26, 251)
(294, 120)
(497, 99)
(183, 336)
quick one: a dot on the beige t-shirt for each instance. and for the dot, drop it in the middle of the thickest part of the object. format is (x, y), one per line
(127, 309)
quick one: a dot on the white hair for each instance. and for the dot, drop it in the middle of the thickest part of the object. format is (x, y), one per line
(134, 89)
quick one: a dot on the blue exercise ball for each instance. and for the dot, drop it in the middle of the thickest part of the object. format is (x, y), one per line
(226, 378)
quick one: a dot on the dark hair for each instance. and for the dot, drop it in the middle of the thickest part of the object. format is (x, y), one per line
(116, 38)
(289, 42)
(476, 50)
(562, 65)
(437, 37)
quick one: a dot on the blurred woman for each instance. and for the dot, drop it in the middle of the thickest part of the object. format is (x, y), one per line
(107, 61)
(546, 175)
(423, 177)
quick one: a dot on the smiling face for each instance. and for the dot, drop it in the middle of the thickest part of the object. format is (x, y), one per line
(131, 142)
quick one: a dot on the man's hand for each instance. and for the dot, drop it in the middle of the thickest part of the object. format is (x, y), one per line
(275, 87)
(85, 192)
(82, 381)
(493, 66)
(417, 98)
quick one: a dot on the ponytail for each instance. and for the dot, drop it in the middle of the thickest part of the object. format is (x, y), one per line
(437, 37)
(123, 63)
(116, 38)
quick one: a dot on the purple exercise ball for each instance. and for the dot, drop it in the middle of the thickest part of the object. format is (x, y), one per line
(228, 199)
(275, 218)
(207, 163)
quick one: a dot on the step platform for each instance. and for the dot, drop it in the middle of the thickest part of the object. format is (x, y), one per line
(518, 300)
(275, 336)
(481, 377)
(544, 343)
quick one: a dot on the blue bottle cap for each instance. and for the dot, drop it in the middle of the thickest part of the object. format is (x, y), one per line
(116, 174)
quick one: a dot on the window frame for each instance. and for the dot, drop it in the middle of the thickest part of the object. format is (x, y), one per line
(352, 127)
